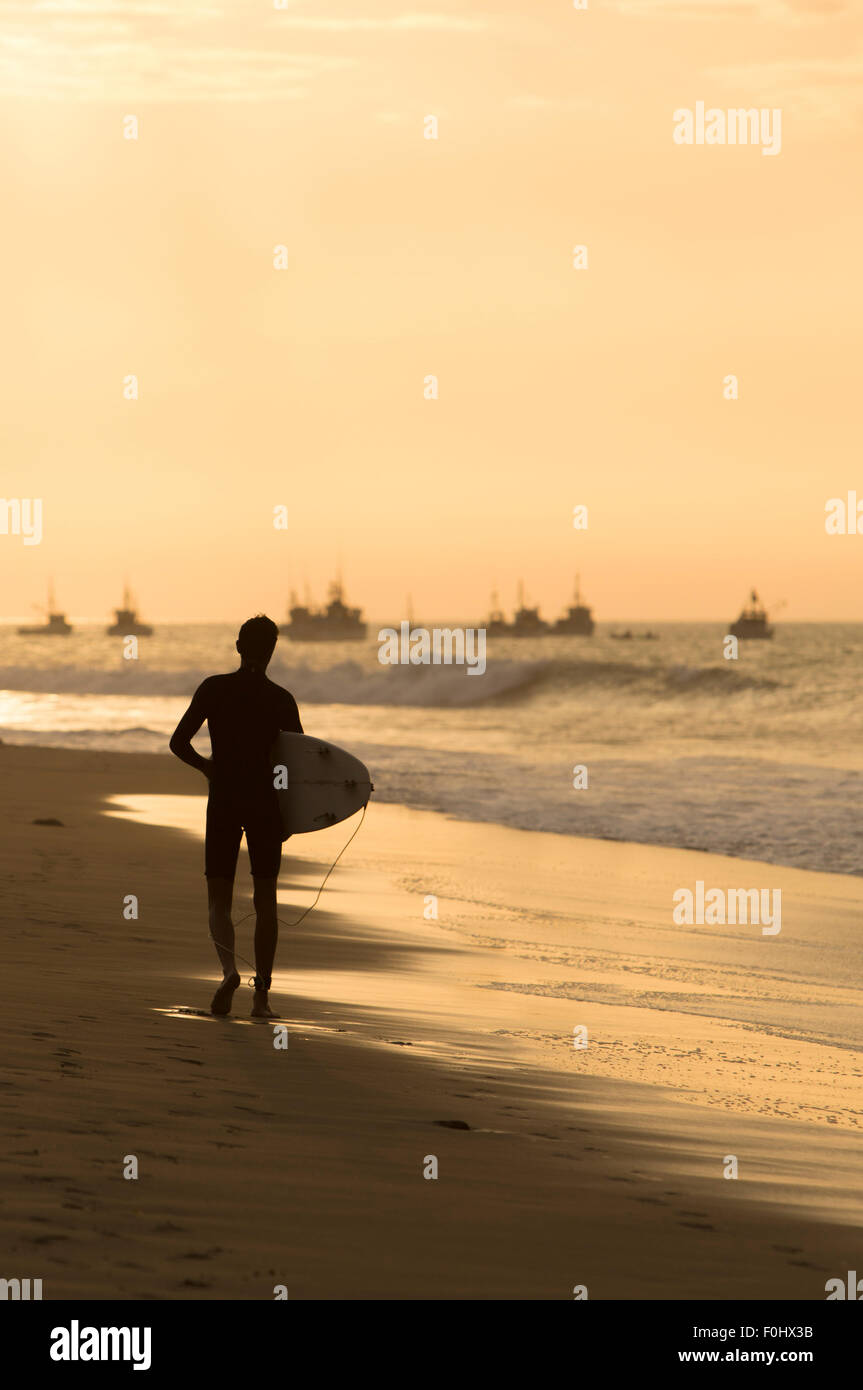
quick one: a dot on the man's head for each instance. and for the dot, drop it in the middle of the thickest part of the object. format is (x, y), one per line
(257, 640)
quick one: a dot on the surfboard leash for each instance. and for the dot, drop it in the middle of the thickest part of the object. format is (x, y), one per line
(303, 914)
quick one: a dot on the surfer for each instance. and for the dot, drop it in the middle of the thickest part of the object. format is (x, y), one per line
(245, 712)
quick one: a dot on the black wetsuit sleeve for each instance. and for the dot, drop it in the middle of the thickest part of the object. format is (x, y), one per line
(181, 739)
(289, 715)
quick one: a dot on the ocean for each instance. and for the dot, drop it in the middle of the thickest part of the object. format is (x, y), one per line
(759, 757)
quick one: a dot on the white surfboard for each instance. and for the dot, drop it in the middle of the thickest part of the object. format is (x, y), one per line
(324, 783)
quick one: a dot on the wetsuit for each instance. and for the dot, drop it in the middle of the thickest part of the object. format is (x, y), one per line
(245, 712)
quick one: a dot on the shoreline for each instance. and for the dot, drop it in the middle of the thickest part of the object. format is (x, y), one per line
(688, 800)
(600, 1167)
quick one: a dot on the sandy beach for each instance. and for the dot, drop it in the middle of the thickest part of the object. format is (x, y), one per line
(600, 1167)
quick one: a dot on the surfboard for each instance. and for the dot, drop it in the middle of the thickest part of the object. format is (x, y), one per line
(324, 784)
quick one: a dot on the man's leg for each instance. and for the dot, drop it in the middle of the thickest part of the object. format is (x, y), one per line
(266, 937)
(220, 892)
(221, 847)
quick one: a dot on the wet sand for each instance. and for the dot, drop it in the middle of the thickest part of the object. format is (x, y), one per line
(261, 1166)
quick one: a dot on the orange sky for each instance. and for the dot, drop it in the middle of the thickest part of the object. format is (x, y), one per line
(407, 256)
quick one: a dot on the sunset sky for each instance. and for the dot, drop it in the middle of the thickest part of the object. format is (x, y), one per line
(303, 126)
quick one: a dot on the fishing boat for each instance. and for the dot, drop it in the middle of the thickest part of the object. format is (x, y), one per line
(126, 621)
(578, 620)
(526, 621)
(334, 623)
(496, 624)
(752, 623)
(55, 624)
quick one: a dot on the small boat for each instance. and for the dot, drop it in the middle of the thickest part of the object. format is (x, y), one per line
(496, 624)
(621, 636)
(525, 623)
(752, 623)
(335, 623)
(579, 618)
(126, 621)
(55, 624)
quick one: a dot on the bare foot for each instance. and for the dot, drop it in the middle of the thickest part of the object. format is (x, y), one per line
(221, 1004)
(260, 1005)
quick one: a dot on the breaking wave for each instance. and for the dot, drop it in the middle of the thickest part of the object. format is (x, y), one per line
(441, 687)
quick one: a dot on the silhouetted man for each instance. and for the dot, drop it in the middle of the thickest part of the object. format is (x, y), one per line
(244, 711)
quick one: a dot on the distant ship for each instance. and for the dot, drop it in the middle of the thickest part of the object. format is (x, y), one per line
(526, 622)
(579, 618)
(127, 623)
(55, 624)
(752, 622)
(628, 636)
(496, 624)
(335, 623)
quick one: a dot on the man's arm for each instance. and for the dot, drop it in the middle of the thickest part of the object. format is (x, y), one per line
(289, 719)
(181, 738)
